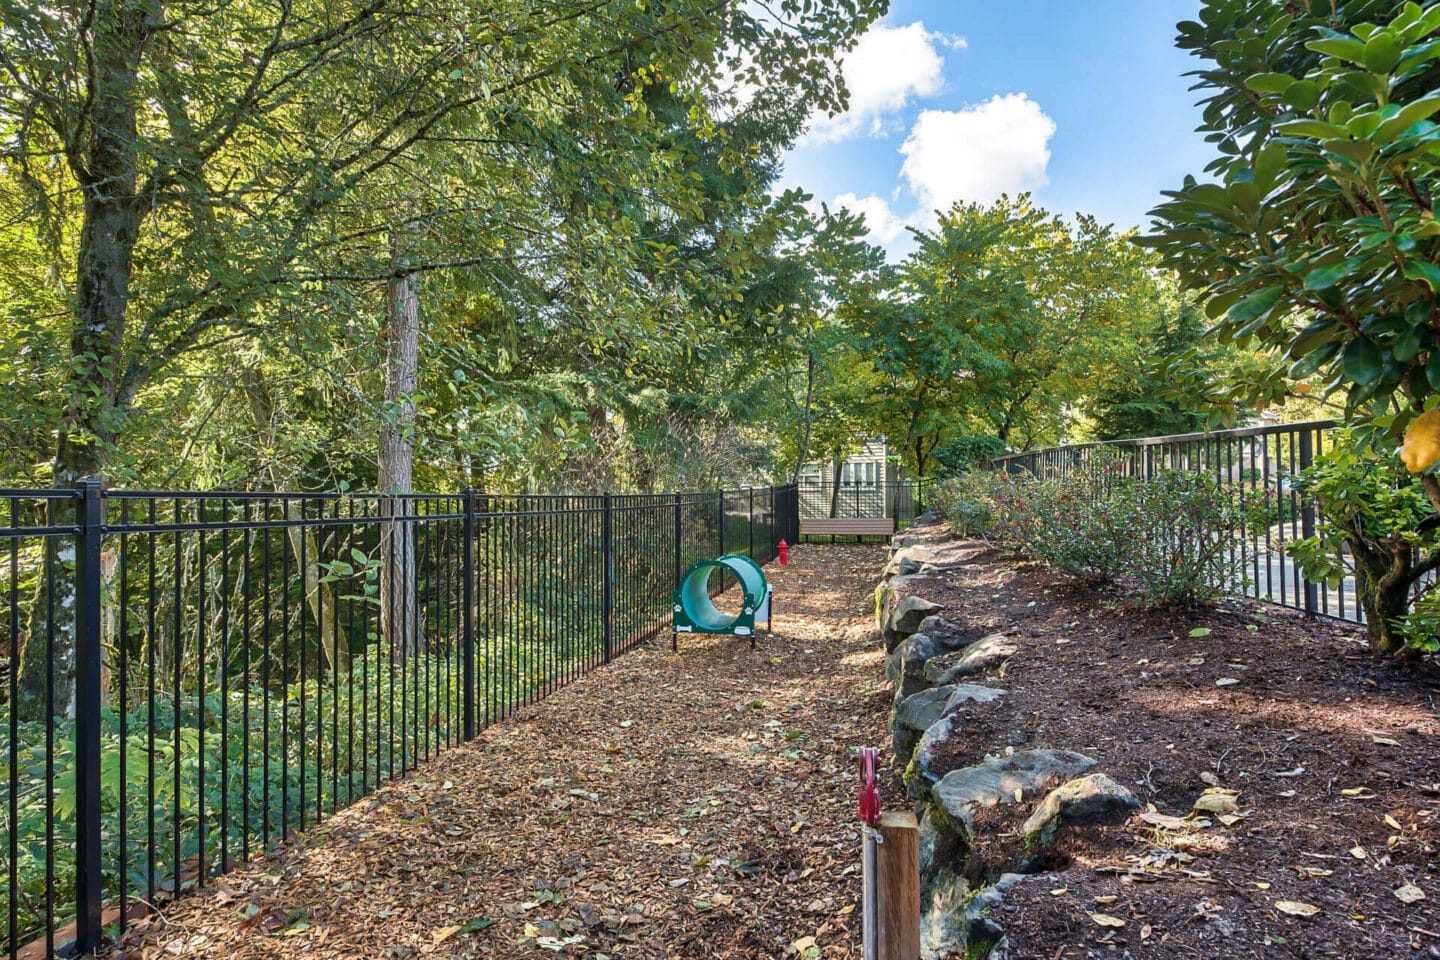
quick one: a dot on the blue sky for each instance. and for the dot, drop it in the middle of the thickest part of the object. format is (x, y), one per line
(1081, 101)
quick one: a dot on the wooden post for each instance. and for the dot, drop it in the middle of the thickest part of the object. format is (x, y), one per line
(899, 875)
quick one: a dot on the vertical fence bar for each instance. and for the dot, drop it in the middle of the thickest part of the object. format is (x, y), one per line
(1307, 510)
(467, 617)
(607, 584)
(750, 516)
(89, 888)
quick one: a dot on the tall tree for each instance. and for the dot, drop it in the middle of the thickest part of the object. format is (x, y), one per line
(234, 165)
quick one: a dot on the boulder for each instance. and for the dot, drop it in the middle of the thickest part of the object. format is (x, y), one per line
(884, 600)
(912, 716)
(951, 634)
(908, 560)
(944, 926)
(984, 654)
(907, 660)
(995, 780)
(919, 711)
(924, 771)
(887, 600)
(963, 693)
(902, 540)
(1084, 800)
(905, 618)
(943, 843)
(980, 911)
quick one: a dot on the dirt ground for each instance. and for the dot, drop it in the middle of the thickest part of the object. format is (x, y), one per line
(1333, 758)
(669, 805)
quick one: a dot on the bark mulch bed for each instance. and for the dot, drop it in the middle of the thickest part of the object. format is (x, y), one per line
(668, 805)
(1334, 754)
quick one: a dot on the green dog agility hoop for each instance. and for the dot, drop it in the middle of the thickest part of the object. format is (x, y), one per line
(695, 612)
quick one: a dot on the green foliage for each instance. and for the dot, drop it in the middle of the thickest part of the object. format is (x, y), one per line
(1377, 524)
(1179, 535)
(586, 199)
(1144, 401)
(278, 745)
(967, 500)
(963, 451)
(1003, 316)
(1316, 244)
(1172, 539)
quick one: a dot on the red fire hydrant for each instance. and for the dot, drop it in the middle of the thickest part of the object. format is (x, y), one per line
(784, 553)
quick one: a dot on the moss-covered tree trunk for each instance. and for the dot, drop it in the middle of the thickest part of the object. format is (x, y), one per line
(1383, 579)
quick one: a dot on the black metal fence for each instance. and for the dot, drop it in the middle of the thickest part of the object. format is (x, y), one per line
(1259, 464)
(192, 676)
(904, 500)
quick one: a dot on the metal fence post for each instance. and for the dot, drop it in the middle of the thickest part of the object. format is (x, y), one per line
(468, 618)
(774, 524)
(1307, 513)
(750, 516)
(607, 530)
(679, 540)
(89, 887)
(720, 524)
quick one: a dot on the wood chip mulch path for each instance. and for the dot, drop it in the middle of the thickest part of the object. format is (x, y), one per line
(668, 805)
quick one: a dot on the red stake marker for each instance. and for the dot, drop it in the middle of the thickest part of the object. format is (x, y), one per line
(869, 796)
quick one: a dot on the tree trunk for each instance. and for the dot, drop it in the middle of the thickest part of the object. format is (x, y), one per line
(398, 601)
(1382, 584)
(104, 258)
(802, 449)
(835, 486)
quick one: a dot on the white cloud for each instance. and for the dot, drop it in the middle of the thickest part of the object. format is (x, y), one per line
(975, 154)
(884, 226)
(887, 67)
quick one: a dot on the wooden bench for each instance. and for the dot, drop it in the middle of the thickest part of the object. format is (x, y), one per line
(848, 527)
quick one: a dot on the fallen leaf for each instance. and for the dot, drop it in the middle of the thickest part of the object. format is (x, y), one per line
(1217, 800)
(1106, 920)
(1145, 931)
(441, 934)
(1200, 632)
(1226, 682)
(1297, 908)
(1358, 852)
(1409, 893)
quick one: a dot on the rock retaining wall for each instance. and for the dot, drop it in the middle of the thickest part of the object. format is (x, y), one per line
(941, 671)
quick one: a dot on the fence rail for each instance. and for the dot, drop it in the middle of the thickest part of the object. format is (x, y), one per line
(189, 677)
(1259, 464)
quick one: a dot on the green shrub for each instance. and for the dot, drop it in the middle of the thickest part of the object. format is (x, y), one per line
(1173, 538)
(358, 729)
(1377, 525)
(1180, 533)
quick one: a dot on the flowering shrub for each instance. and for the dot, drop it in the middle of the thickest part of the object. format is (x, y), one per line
(1172, 538)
